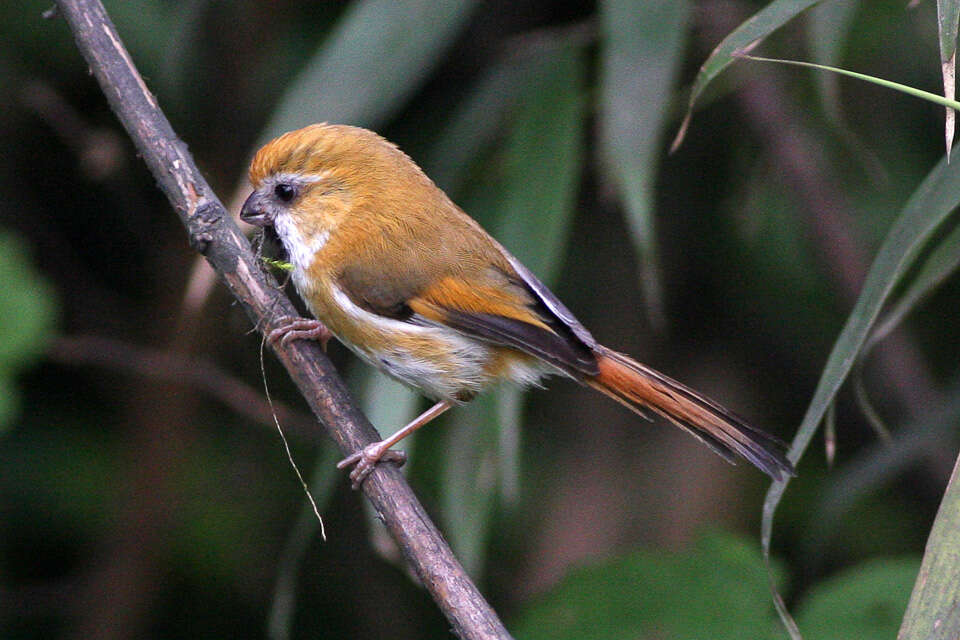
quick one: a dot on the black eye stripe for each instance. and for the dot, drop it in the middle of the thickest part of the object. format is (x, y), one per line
(285, 191)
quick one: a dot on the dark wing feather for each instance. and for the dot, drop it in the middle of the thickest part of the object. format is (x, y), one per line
(556, 349)
(555, 309)
(551, 334)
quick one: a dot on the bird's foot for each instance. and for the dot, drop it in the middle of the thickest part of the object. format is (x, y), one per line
(290, 328)
(367, 458)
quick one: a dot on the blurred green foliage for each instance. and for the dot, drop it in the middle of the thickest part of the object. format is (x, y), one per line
(716, 587)
(136, 507)
(27, 312)
(867, 601)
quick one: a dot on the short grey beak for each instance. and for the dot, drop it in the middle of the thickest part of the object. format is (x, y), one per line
(253, 211)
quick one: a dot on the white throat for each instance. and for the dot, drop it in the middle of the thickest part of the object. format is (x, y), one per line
(300, 250)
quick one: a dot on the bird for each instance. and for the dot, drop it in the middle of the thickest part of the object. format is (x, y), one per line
(386, 262)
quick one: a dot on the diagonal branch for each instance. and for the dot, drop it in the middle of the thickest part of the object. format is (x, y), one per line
(212, 232)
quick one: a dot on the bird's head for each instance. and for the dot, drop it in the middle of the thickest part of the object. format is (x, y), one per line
(309, 181)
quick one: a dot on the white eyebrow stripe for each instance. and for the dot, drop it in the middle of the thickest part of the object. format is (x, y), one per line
(297, 178)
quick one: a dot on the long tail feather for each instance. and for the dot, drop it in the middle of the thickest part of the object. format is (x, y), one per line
(639, 387)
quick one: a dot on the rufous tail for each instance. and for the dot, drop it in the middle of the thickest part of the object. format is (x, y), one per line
(639, 387)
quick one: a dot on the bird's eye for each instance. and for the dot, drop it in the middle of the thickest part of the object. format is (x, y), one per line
(285, 191)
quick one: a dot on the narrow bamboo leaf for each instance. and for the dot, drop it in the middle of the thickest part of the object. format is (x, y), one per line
(948, 69)
(475, 122)
(933, 613)
(541, 164)
(747, 35)
(948, 21)
(866, 406)
(528, 206)
(929, 206)
(948, 15)
(470, 480)
(376, 57)
(875, 467)
(829, 25)
(641, 53)
(389, 406)
(940, 264)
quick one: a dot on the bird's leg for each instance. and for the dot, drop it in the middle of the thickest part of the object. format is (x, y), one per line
(366, 459)
(291, 328)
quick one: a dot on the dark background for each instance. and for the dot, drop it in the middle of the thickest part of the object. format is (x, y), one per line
(135, 503)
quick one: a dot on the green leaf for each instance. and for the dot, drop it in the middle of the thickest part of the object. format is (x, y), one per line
(388, 404)
(932, 613)
(470, 479)
(714, 589)
(376, 57)
(750, 33)
(948, 20)
(529, 204)
(948, 14)
(828, 26)
(942, 261)
(866, 601)
(641, 53)
(929, 206)
(878, 465)
(476, 121)
(277, 264)
(541, 164)
(27, 314)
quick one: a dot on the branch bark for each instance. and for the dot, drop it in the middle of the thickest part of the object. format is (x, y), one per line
(211, 231)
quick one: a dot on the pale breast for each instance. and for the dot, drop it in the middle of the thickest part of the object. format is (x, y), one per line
(442, 362)
(439, 361)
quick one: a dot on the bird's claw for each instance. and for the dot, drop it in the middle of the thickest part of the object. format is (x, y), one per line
(291, 328)
(366, 460)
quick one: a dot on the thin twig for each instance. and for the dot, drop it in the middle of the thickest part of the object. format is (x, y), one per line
(188, 370)
(213, 233)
